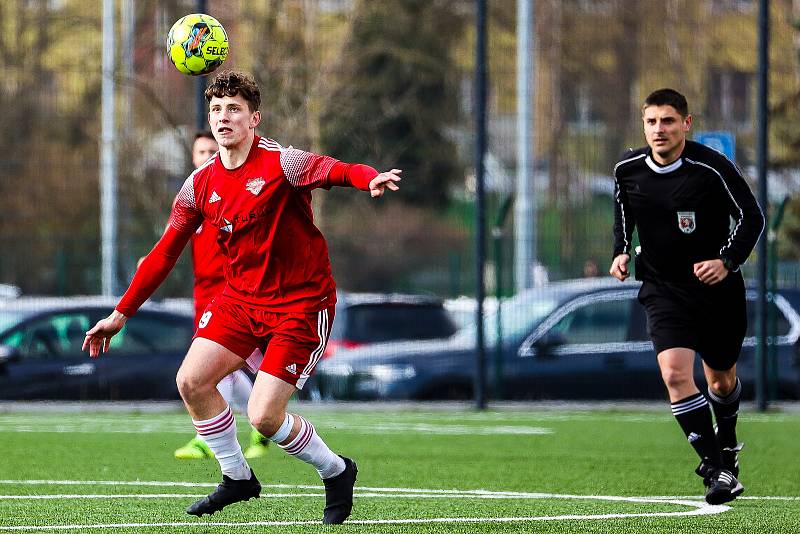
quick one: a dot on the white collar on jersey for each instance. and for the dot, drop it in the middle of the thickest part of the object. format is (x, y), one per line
(655, 167)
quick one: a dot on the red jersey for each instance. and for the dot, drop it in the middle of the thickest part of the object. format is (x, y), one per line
(208, 266)
(276, 258)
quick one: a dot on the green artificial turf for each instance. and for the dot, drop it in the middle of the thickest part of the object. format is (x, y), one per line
(441, 470)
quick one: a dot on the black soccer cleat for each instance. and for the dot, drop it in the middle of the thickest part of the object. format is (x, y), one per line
(722, 485)
(229, 492)
(339, 494)
(730, 458)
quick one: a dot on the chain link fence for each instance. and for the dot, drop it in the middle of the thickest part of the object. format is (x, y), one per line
(334, 83)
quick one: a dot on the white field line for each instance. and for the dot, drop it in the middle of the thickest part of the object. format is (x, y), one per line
(706, 510)
(489, 494)
(696, 507)
(443, 429)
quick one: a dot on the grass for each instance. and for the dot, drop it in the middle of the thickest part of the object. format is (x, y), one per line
(421, 466)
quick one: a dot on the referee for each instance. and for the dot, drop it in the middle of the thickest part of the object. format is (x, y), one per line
(697, 222)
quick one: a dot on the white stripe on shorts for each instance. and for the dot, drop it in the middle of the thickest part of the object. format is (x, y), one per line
(316, 355)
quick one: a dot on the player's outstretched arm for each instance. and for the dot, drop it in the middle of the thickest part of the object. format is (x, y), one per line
(99, 336)
(619, 267)
(384, 180)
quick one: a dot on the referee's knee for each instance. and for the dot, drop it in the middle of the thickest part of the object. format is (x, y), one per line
(722, 385)
(677, 379)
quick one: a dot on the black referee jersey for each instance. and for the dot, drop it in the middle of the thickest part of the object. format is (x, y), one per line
(697, 208)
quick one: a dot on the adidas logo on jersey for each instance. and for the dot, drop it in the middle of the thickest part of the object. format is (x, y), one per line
(292, 368)
(692, 437)
(214, 197)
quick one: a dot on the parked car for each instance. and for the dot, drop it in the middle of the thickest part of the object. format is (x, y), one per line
(463, 309)
(580, 339)
(41, 357)
(363, 318)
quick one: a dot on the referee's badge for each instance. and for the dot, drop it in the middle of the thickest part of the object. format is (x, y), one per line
(686, 221)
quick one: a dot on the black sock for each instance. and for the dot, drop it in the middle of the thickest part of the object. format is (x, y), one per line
(726, 410)
(694, 416)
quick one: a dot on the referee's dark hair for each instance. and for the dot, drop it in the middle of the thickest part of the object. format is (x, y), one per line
(667, 97)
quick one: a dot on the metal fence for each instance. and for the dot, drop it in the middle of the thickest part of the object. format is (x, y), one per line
(594, 61)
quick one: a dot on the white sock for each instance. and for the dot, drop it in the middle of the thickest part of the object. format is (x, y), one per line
(310, 448)
(219, 433)
(235, 389)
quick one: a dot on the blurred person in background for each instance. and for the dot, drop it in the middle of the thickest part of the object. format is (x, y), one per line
(697, 222)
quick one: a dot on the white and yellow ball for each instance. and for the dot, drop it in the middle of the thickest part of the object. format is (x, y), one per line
(197, 44)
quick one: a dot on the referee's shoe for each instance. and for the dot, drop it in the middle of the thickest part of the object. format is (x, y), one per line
(722, 485)
(229, 492)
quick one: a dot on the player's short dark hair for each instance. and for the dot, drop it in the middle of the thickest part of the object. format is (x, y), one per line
(667, 97)
(204, 134)
(231, 83)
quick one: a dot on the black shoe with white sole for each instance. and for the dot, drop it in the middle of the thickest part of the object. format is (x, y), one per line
(722, 485)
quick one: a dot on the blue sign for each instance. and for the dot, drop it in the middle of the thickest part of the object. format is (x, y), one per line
(724, 142)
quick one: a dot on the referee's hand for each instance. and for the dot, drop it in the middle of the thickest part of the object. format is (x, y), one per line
(710, 271)
(619, 267)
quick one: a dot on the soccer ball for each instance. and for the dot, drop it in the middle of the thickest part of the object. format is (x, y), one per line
(197, 44)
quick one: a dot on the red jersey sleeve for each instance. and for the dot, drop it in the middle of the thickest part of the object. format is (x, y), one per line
(355, 175)
(185, 215)
(306, 170)
(183, 221)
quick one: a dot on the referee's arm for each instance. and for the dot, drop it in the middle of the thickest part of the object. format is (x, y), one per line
(747, 214)
(623, 221)
(623, 230)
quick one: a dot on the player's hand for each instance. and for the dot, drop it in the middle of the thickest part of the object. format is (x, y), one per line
(710, 271)
(99, 337)
(619, 267)
(384, 180)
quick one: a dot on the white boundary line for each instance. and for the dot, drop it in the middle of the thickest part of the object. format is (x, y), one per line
(444, 492)
(697, 508)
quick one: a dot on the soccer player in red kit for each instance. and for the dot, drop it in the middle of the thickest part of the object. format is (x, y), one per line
(279, 295)
(208, 268)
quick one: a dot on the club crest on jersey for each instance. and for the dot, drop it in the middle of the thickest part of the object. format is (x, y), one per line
(255, 185)
(686, 222)
(226, 226)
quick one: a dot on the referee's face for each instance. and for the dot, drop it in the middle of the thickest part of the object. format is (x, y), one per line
(665, 131)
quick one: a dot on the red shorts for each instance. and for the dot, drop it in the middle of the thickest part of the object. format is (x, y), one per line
(292, 343)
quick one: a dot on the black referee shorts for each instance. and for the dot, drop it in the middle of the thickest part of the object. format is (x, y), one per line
(711, 320)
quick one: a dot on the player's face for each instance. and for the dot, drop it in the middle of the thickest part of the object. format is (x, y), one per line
(665, 131)
(203, 149)
(231, 120)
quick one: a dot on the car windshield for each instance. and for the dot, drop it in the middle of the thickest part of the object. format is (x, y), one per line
(388, 322)
(9, 318)
(518, 316)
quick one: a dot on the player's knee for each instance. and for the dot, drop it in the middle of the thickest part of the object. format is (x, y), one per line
(265, 421)
(189, 384)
